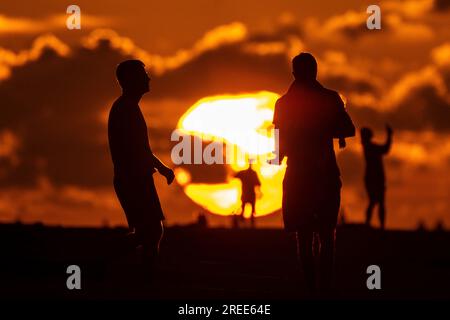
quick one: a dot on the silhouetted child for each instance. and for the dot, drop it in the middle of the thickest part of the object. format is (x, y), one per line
(249, 179)
(374, 177)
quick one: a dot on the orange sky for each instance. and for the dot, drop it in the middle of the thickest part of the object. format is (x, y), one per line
(52, 172)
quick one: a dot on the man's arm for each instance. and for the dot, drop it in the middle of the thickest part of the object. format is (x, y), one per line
(157, 164)
(162, 168)
(257, 182)
(387, 145)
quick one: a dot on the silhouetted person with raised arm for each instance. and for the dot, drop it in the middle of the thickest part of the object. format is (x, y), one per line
(134, 161)
(308, 117)
(250, 181)
(374, 177)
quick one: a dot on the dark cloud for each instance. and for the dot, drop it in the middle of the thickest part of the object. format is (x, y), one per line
(367, 116)
(227, 70)
(346, 84)
(205, 173)
(441, 5)
(55, 106)
(354, 32)
(280, 33)
(394, 162)
(351, 165)
(422, 109)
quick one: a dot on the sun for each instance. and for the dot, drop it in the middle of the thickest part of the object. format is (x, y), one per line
(243, 122)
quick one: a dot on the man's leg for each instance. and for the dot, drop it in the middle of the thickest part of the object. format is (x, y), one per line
(150, 235)
(305, 256)
(326, 259)
(253, 214)
(382, 212)
(125, 194)
(369, 211)
(243, 210)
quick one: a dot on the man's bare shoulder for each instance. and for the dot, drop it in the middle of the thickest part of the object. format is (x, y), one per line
(119, 105)
(120, 108)
(281, 100)
(332, 94)
(333, 98)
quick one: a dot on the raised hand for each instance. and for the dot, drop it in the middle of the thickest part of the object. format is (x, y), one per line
(389, 130)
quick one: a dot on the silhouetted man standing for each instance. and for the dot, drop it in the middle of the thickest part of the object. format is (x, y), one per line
(374, 177)
(134, 161)
(249, 179)
(308, 117)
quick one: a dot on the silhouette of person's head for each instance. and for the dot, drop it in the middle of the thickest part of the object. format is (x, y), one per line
(304, 67)
(132, 77)
(251, 163)
(366, 134)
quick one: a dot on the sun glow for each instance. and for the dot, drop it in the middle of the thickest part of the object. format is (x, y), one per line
(243, 122)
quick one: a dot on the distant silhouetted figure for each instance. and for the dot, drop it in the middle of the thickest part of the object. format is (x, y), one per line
(249, 179)
(374, 177)
(308, 117)
(202, 222)
(134, 161)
